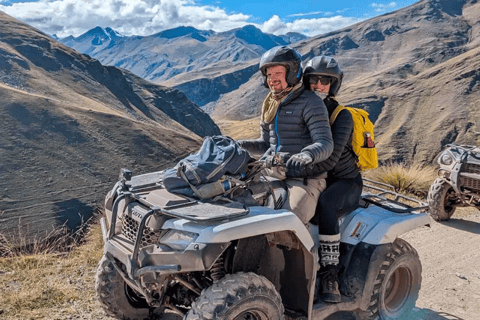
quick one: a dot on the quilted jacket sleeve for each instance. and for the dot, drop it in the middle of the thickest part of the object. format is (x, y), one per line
(316, 118)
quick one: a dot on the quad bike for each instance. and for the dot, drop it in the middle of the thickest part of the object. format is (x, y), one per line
(458, 184)
(166, 253)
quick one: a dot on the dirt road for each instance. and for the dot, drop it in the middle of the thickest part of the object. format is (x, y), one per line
(450, 256)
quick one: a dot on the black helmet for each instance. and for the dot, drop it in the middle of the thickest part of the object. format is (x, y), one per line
(324, 66)
(285, 56)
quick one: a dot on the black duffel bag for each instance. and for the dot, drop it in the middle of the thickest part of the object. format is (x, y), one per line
(218, 156)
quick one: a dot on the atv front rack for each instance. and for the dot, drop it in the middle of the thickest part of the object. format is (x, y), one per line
(212, 212)
(395, 204)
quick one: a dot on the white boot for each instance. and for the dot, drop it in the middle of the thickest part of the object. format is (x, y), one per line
(329, 260)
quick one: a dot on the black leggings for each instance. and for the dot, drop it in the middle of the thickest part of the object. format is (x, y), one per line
(340, 197)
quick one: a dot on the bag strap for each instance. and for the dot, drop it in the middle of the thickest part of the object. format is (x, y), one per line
(355, 156)
(184, 177)
(336, 112)
(333, 117)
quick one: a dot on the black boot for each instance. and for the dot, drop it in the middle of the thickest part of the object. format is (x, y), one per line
(329, 285)
(329, 258)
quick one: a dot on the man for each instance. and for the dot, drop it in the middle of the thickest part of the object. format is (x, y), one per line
(293, 121)
(344, 183)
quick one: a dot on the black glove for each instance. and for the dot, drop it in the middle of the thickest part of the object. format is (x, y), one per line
(297, 163)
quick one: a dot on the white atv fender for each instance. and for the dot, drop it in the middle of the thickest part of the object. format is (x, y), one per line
(375, 225)
(259, 221)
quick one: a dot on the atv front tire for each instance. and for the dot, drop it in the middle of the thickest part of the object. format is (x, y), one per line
(397, 284)
(440, 200)
(117, 298)
(238, 296)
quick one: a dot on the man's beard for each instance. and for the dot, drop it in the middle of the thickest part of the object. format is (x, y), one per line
(278, 85)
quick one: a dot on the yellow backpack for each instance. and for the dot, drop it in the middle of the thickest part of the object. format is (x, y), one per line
(363, 144)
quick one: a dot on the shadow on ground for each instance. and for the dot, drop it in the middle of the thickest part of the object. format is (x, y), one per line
(416, 314)
(465, 225)
(73, 213)
(428, 314)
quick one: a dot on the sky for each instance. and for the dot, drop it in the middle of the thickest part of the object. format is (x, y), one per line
(146, 17)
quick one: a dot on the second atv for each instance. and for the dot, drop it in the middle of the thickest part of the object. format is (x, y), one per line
(458, 184)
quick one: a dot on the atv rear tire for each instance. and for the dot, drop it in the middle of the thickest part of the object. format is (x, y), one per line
(238, 296)
(439, 200)
(117, 298)
(397, 284)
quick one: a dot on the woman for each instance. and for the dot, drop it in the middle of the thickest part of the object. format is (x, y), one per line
(323, 76)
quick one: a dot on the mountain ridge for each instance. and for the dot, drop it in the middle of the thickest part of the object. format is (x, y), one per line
(67, 126)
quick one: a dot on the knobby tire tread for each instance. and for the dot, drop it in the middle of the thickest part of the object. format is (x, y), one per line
(109, 286)
(215, 300)
(436, 200)
(399, 248)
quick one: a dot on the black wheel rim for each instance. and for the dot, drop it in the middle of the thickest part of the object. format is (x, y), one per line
(252, 314)
(450, 201)
(135, 300)
(397, 290)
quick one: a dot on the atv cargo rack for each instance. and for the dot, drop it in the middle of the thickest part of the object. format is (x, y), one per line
(395, 204)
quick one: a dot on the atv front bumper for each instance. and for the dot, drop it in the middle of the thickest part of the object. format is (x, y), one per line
(154, 260)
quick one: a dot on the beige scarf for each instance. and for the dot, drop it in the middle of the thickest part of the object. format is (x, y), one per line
(273, 100)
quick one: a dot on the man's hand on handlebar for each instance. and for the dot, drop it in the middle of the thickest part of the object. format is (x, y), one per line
(297, 163)
(286, 164)
(275, 160)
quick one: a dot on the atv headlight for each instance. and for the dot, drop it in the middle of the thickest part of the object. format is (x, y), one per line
(446, 159)
(178, 240)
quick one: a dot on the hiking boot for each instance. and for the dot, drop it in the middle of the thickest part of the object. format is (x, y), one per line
(329, 285)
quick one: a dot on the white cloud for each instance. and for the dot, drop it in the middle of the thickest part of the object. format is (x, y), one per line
(309, 27)
(342, 10)
(145, 17)
(379, 7)
(139, 17)
(325, 13)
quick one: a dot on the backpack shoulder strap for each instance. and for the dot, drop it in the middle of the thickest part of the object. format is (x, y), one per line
(336, 112)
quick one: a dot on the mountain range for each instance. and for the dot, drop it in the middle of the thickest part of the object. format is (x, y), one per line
(68, 124)
(164, 55)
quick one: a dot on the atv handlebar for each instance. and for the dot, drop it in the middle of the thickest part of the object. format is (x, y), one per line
(275, 160)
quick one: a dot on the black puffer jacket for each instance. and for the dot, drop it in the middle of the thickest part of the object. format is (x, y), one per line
(341, 164)
(300, 125)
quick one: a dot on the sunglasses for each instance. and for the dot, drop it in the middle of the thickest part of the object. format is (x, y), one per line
(323, 80)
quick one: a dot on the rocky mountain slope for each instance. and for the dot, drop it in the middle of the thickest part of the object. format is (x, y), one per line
(163, 56)
(68, 124)
(415, 70)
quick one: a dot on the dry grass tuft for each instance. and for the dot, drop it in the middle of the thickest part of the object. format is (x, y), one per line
(48, 281)
(59, 240)
(412, 180)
